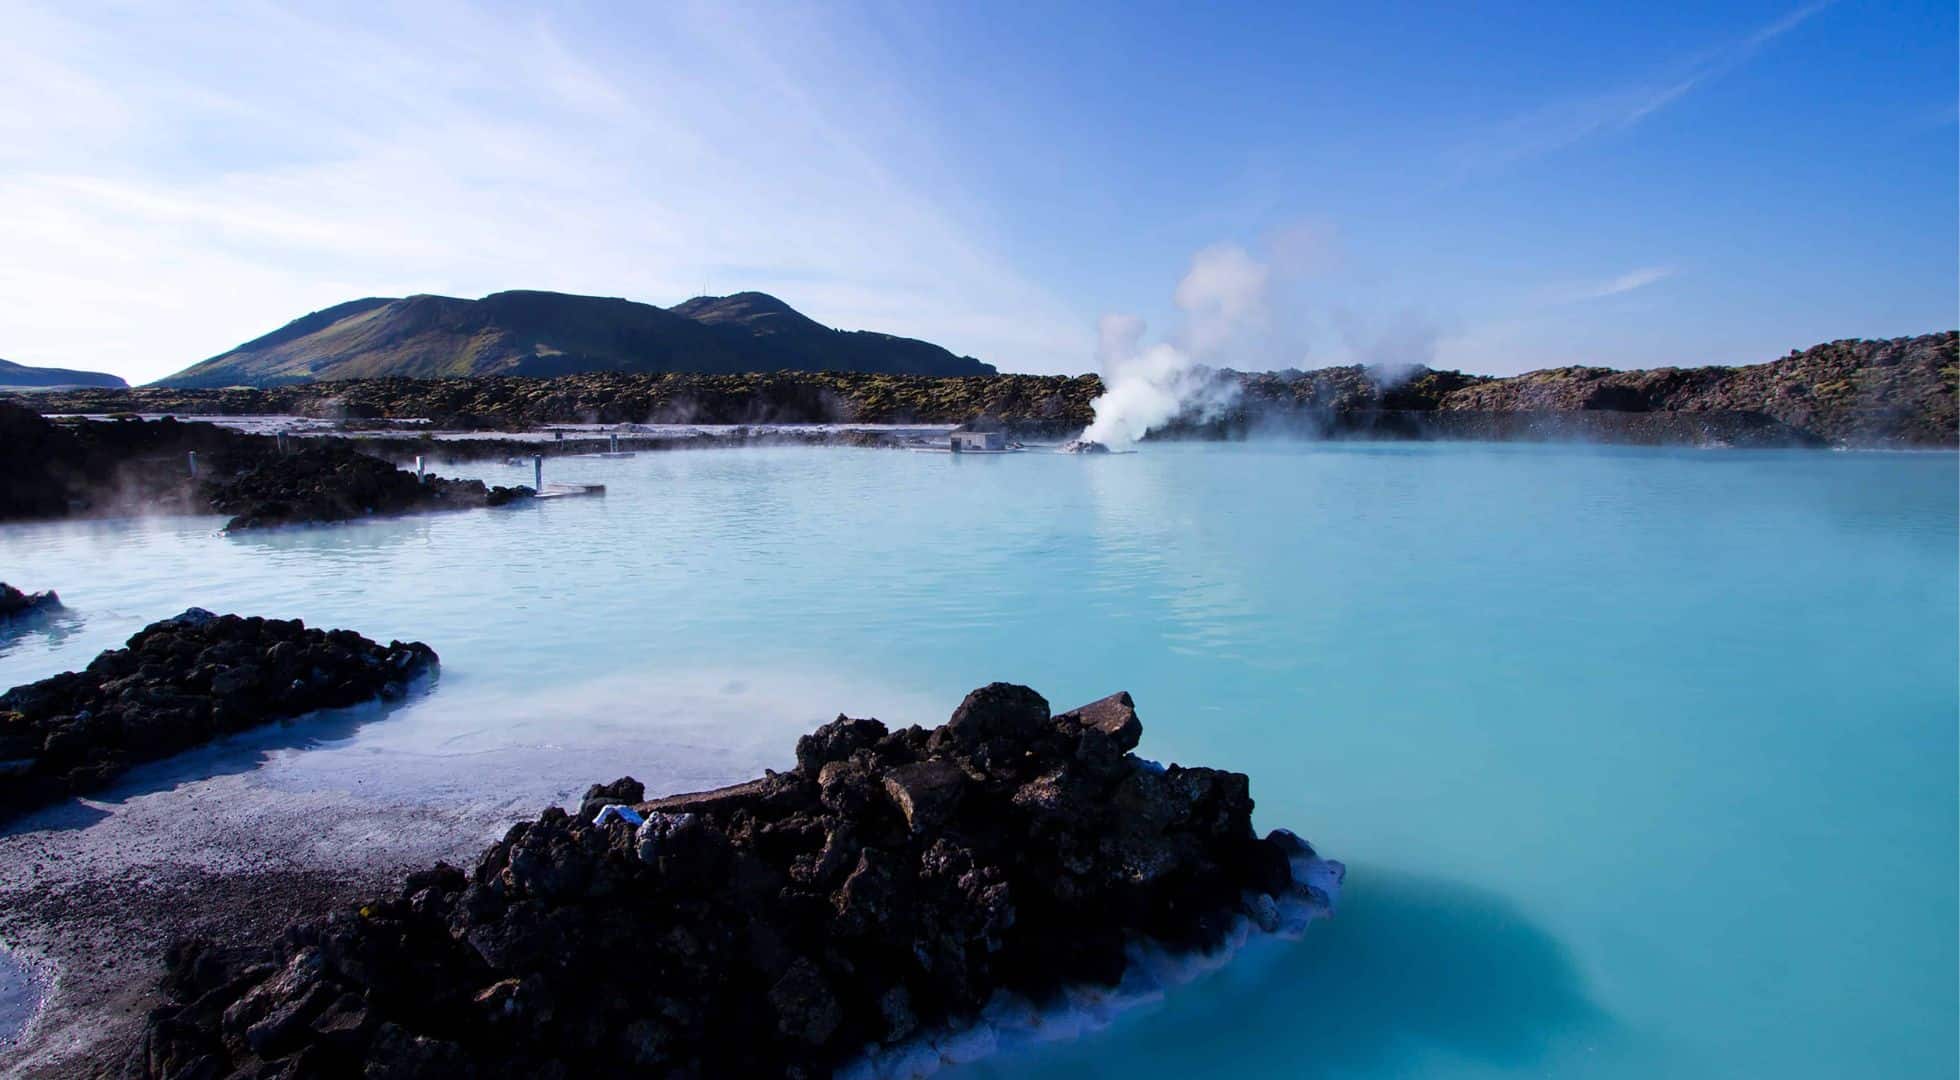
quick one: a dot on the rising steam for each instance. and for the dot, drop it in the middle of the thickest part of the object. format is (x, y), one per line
(1393, 352)
(1224, 298)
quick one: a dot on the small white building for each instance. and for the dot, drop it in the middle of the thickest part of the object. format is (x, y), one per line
(984, 441)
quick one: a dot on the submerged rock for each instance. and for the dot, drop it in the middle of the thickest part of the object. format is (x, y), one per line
(15, 604)
(179, 683)
(893, 882)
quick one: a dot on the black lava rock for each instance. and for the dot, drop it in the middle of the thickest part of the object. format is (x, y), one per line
(15, 604)
(179, 683)
(78, 467)
(892, 882)
(328, 482)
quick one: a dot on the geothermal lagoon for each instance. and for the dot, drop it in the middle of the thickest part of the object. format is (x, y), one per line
(1640, 761)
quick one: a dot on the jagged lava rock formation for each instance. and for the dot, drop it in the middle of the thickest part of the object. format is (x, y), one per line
(329, 482)
(15, 604)
(83, 467)
(179, 683)
(1897, 392)
(891, 883)
(1892, 393)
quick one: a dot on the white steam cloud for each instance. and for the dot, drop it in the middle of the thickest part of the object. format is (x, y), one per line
(1394, 351)
(1225, 299)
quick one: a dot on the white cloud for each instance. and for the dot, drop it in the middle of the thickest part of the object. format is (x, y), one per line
(170, 186)
(1625, 283)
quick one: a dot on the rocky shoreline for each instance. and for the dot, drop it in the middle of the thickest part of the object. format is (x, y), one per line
(92, 894)
(519, 448)
(177, 684)
(322, 483)
(1726, 429)
(85, 467)
(1866, 393)
(891, 883)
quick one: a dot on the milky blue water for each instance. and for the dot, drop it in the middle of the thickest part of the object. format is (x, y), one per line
(1642, 762)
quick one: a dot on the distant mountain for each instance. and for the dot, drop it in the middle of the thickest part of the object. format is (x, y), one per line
(547, 334)
(20, 377)
(755, 319)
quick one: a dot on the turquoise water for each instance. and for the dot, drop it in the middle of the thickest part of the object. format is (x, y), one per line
(1642, 762)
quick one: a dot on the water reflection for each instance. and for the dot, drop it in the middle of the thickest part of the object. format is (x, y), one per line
(1174, 546)
(45, 630)
(1411, 971)
(337, 541)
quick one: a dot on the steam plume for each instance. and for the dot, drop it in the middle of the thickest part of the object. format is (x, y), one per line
(1395, 351)
(1224, 298)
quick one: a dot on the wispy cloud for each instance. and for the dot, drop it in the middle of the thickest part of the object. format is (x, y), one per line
(1625, 283)
(170, 187)
(1560, 124)
(1545, 299)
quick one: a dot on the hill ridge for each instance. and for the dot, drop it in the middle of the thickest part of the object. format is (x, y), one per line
(535, 332)
(23, 376)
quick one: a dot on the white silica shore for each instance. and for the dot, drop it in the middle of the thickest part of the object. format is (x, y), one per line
(1011, 1022)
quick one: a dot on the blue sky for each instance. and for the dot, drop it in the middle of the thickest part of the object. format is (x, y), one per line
(1517, 187)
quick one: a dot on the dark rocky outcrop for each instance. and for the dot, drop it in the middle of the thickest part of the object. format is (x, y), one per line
(889, 884)
(614, 398)
(40, 465)
(54, 468)
(1744, 430)
(526, 332)
(180, 683)
(1900, 392)
(80, 467)
(328, 482)
(15, 604)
